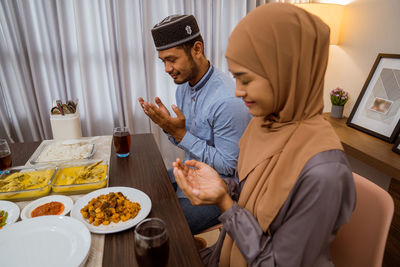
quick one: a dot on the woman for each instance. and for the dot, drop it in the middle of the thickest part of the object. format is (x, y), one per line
(295, 186)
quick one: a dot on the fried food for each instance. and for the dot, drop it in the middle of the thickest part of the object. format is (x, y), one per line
(113, 207)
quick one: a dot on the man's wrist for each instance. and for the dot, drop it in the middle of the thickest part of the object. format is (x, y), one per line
(179, 134)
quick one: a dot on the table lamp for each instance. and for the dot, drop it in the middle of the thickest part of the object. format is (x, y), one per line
(331, 14)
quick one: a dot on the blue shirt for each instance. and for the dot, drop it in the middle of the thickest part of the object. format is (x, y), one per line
(215, 121)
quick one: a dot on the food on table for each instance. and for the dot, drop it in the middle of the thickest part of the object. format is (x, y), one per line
(65, 151)
(19, 181)
(51, 208)
(113, 207)
(81, 174)
(3, 218)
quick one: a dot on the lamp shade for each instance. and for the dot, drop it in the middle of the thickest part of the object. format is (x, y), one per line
(331, 14)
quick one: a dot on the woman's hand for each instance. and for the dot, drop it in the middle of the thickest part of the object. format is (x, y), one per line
(201, 184)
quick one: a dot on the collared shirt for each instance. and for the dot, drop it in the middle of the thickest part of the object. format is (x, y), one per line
(215, 121)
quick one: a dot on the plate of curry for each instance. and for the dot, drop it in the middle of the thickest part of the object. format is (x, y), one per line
(112, 209)
(50, 205)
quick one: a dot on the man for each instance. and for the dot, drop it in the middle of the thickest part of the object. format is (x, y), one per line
(209, 118)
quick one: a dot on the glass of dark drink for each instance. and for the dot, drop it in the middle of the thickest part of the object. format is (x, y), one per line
(5, 155)
(151, 243)
(122, 141)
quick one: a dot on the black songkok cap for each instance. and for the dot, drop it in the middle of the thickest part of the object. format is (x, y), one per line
(174, 30)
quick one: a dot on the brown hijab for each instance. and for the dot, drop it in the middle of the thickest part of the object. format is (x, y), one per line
(288, 47)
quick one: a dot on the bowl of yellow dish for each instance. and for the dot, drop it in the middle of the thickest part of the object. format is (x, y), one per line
(81, 176)
(23, 183)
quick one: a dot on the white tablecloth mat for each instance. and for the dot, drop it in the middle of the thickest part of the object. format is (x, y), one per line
(103, 151)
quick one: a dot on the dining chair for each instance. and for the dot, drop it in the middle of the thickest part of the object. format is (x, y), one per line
(200, 241)
(214, 227)
(361, 242)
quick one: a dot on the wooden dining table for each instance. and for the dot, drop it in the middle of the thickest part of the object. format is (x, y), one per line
(144, 170)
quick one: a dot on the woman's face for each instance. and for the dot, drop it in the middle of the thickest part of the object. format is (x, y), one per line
(254, 89)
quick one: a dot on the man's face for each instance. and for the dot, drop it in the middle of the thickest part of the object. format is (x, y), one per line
(179, 65)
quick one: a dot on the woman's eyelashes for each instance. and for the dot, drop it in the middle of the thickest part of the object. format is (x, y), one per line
(242, 81)
(241, 77)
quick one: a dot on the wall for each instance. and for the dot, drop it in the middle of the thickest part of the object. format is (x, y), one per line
(369, 27)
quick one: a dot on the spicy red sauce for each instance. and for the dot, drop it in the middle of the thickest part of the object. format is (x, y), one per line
(51, 208)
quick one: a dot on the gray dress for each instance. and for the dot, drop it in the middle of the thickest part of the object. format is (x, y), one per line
(322, 200)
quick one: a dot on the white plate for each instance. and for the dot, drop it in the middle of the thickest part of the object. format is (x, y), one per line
(45, 241)
(67, 201)
(12, 209)
(132, 194)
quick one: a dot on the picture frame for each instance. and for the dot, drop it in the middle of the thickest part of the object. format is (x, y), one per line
(377, 109)
(396, 147)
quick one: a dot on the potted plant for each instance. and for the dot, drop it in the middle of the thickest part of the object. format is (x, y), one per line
(339, 97)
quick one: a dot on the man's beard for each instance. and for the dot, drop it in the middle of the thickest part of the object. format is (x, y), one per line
(194, 69)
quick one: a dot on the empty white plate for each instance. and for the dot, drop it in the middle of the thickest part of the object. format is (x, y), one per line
(67, 201)
(45, 241)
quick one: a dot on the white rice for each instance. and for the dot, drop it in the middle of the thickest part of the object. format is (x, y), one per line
(61, 151)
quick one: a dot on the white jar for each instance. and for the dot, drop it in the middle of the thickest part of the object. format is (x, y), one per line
(66, 127)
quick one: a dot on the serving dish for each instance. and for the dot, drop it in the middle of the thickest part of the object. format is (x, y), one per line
(56, 151)
(12, 209)
(132, 194)
(72, 169)
(24, 182)
(45, 241)
(66, 201)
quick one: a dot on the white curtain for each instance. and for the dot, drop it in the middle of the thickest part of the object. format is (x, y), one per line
(100, 52)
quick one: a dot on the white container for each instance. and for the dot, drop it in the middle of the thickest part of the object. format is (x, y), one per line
(66, 127)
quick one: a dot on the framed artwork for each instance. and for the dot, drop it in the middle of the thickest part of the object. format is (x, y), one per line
(377, 110)
(396, 147)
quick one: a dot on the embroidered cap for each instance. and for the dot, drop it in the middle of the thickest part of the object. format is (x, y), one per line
(174, 30)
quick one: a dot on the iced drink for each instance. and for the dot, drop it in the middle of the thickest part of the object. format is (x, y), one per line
(151, 243)
(5, 155)
(122, 141)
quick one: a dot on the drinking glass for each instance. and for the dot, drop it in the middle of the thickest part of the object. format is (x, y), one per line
(5, 155)
(122, 141)
(151, 243)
